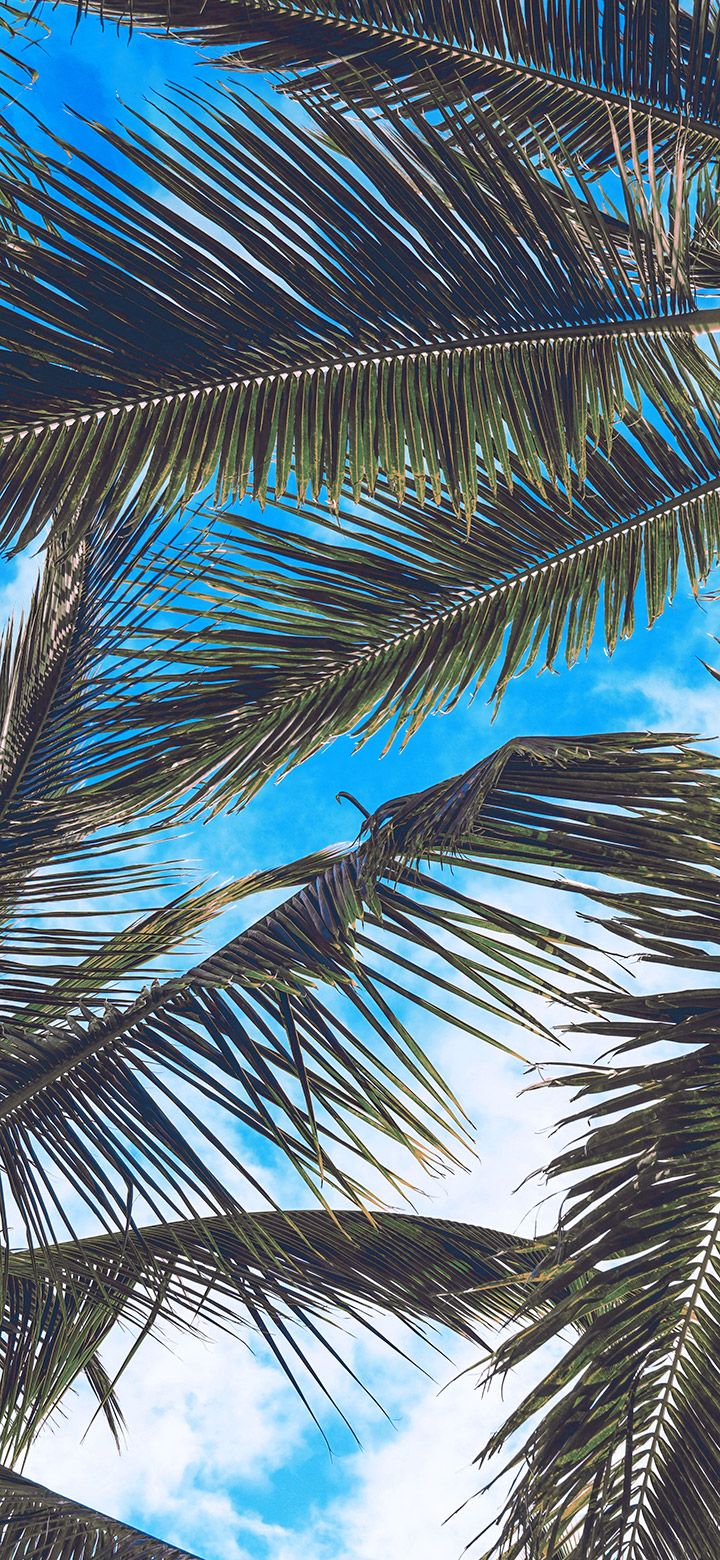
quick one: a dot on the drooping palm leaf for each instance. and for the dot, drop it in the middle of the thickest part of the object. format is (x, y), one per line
(273, 310)
(38, 1524)
(307, 1269)
(290, 639)
(625, 1452)
(294, 1029)
(315, 1262)
(535, 62)
(70, 797)
(50, 1335)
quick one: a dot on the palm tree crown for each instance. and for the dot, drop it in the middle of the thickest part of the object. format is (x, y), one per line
(449, 301)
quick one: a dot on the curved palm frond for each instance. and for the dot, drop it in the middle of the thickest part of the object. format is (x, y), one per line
(49, 1336)
(296, 1028)
(624, 1449)
(294, 638)
(536, 63)
(38, 1524)
(70, 796)
(276, 1272)
(275, 311)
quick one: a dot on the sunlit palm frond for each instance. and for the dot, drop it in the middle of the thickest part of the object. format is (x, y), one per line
(624, 1450)
(38, 1524)
(278, 310)
(418, 1269)
(534, 62)
(292, 638)
(298, 1028)
(306, 1269)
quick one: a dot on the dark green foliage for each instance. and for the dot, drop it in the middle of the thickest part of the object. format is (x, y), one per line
(535, 63)
(393, 614)
(38, 1524)
(459, 308)
(271, 1270)
(626, 1458)
(177, 351)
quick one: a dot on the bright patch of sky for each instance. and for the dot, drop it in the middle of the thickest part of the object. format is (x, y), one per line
(221, 1457)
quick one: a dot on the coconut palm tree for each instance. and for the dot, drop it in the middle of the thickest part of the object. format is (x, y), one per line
(461, 314)
(107, 1083)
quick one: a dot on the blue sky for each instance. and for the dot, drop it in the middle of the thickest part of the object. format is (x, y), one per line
(221, 1457)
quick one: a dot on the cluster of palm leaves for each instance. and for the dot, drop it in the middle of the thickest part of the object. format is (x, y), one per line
(452, 309)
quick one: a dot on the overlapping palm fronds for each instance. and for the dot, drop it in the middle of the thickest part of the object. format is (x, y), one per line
(295, 636)
(428, 297)
(253, 1022)
(257, 1029)
(71, 801)
(535, 63)
(623, 1457)
(281, 1028)
(275, 311)
(50, 1336)
(276, 1272)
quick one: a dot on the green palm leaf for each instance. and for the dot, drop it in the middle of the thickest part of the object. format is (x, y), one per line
(294, 1029)
(394, 614)
(73, 784)
(534, 62)
(50, 1336)
(278, 1272)
(628, 1456)
(294, 315)
(38, 1524)
(20, 33)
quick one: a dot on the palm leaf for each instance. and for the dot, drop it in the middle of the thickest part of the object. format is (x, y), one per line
(69, 794)
(296, 637)
(628, 1455)
(294, 1030)
(534, 62)
(38, 1524)
(179, 336)
(307, 1268)
(20, 32)
(50, 1335)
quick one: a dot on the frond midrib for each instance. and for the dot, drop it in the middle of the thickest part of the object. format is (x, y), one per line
(513, 69)
(693, 323)
(664, 1406)
(471, 595)
(111, 1031)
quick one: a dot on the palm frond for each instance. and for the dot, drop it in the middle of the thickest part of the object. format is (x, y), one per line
(624, 1451)
(280, 308)
(50, 1335)
(38, 1524)
(293, 638)
(70, 798)
(296, 1029)
(20, 34)
(535, 62)
(307, 1268)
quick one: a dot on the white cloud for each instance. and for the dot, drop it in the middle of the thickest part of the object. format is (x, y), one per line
(662, 703)
(201, 1418)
